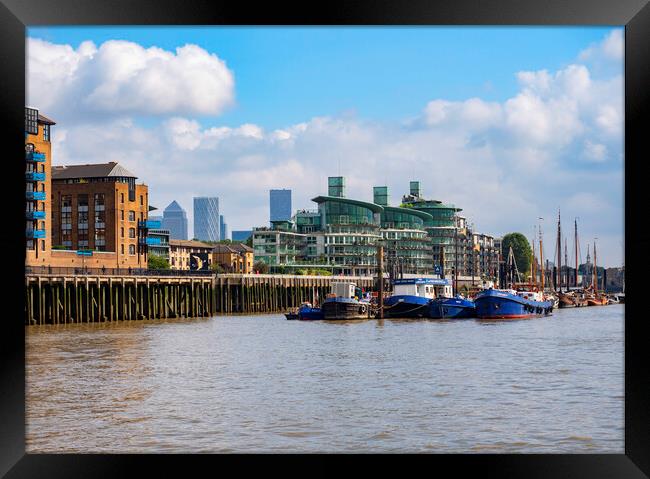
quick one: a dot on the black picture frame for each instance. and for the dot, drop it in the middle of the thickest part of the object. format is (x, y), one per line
(15, 15)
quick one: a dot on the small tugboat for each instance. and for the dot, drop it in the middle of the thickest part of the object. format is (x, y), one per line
(343, 303)
(411, 297)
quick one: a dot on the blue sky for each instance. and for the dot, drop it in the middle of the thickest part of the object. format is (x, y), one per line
(508, 122)
(380, 73)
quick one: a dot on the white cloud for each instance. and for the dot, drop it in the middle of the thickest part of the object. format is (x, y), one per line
(122, 77)
(611, 48)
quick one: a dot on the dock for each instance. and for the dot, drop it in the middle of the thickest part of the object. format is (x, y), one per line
(62, 297)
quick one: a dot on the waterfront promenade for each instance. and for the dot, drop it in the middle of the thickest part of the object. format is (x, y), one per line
(77, 295)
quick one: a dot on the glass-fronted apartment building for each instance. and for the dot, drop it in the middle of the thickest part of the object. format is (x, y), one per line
(420, 237)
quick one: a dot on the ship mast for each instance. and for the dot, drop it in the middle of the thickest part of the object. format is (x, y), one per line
(541, 255)
(587, 266)
(532, 266)
(595, 280)
(566, 266)
(575, 240)
(559, 252)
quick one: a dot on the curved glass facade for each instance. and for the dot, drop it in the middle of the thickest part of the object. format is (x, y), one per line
(344, 213)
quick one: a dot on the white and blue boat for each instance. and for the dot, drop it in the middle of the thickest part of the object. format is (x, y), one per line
(411, 297)
(511, 304)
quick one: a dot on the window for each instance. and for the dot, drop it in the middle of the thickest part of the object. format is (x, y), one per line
(131, 249)
(131, 215)
(66, 203)
(100, 204)
(122, 215)
(122, 198)
(141, 200)
(131, 232)
(46, 132)
(42, 245)
(31, 121)
(122, 248)
(122, 233)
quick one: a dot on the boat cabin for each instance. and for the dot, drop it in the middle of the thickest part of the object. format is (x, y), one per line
(423, 287)
(344, 290)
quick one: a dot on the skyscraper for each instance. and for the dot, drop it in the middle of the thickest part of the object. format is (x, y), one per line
(206, 219)
(223, 228)
(175, 220)
(280, 205)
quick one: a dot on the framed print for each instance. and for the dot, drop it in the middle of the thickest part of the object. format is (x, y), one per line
(370, 229)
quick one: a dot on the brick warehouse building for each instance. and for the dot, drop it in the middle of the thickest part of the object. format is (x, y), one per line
(98, 207)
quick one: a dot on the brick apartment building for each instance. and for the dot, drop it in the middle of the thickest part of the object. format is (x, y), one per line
(99, 207)
(38, 160)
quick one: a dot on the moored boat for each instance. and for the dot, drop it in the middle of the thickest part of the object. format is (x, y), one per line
(342, 303)
(308, 313)
(411, 297)
(597, 300)
(510, 304)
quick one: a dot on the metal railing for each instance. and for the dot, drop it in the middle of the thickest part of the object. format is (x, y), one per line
(63, 270)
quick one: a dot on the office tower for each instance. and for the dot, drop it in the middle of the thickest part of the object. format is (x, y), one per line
(280, 205)
(223, 228)
(206, 219)
(175, 220)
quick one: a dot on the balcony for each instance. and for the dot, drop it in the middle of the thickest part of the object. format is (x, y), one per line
(34, 156)
(150, 241)
(35, 234)
(35, 215)
(35, 195)
(149, 224)
(34, 176)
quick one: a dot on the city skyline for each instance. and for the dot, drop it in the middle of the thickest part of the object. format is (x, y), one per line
(539, 128)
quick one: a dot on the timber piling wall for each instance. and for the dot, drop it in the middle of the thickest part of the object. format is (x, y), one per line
(63, 298)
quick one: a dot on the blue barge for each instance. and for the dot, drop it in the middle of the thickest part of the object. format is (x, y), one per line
(510, 304)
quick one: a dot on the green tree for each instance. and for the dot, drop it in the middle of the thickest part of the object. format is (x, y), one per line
(249, 241)
(261, 267)
(521, 249)
(217, 268)
(157, 262)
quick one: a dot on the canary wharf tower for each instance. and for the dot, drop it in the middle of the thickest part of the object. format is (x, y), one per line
(206, 218)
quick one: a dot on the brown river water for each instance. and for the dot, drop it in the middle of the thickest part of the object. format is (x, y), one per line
(264, 384)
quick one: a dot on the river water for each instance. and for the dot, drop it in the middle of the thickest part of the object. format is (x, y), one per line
(265, 384)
